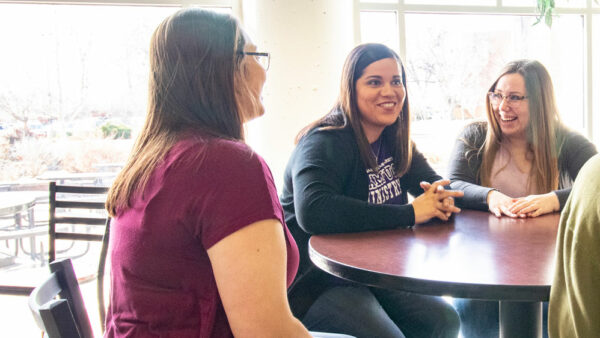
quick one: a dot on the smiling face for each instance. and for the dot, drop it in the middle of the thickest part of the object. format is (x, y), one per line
(513, 119)
(380, 96)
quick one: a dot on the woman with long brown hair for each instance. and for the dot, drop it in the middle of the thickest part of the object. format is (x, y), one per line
(520, 163)
(199, 246)
(523, 160)
(352, 171)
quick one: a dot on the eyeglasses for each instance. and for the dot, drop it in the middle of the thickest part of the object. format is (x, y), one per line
(264, 59)
(511, 100)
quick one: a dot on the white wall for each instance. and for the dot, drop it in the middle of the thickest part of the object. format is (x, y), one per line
(308, 41)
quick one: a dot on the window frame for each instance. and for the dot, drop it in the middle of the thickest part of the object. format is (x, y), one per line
(587, 12)
(235, 5)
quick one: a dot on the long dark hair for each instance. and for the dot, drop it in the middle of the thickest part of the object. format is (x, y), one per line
(345, 111)
(195, 72)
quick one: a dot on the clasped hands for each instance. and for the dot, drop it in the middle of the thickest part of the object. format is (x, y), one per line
(528, 206)
(435, 202)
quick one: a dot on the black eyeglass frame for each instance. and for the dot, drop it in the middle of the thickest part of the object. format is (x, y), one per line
(267, 55)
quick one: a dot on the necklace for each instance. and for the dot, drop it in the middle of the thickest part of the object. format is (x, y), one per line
(378, 152)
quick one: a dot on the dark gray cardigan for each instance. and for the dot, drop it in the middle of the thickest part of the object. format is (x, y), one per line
(463, 169)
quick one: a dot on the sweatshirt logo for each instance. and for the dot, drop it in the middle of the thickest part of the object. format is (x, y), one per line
(383, 185)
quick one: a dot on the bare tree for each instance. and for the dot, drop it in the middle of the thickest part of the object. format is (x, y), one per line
(22, 108)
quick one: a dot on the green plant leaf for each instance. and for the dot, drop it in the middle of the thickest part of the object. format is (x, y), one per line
(545, 9)
(548, 18)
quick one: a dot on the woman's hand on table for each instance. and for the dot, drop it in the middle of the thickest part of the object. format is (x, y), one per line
(448, 202)
(535, 205)
(500, 204)
(435, 202)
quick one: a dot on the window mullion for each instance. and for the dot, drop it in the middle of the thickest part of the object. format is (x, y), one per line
(401, 18)
(588, 72)
(356, 14)
(184, 3)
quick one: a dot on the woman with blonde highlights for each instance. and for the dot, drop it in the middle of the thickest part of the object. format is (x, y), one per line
(520, 163)
(523, 161)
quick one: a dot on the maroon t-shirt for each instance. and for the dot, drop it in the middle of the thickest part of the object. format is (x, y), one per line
(162, 284)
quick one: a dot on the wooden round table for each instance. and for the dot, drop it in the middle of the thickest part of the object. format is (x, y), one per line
(475, 255)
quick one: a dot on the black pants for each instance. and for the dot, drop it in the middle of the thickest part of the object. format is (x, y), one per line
(369, 312)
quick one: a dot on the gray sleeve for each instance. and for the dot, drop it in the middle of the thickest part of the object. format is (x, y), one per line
(463, 169)
(574, 154)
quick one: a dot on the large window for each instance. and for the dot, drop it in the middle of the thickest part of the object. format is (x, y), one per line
(452, 54)
(73, 89)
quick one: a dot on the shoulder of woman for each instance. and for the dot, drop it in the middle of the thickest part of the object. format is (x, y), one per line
(215, 151)
(475, 130)
(572, 135)
(329, 135)
(569, 138)
(326, 145)
(234, 150)
(474, 134)
(574, 149)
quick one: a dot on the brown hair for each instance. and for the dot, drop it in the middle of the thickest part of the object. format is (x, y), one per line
(345, 111)
(196, 77)
(545, 132)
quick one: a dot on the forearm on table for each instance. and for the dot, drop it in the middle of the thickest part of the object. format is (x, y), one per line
(343, 214)
(475, 196)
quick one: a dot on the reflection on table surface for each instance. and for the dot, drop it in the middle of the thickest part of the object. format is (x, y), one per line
(475, 250)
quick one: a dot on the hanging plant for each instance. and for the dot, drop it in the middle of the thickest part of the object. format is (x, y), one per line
(545, 9)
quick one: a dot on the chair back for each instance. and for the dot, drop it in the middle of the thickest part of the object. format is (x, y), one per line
(71, 198)
(100, 274)
(79, 199)
(64, 317)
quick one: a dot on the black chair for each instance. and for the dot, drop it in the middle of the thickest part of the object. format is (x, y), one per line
(71, 199)
(100, 274)
(64, 317)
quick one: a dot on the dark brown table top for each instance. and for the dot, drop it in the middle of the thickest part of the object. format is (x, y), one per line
(475, 255)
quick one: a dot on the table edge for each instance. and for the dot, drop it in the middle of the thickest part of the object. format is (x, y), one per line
(524, 293)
